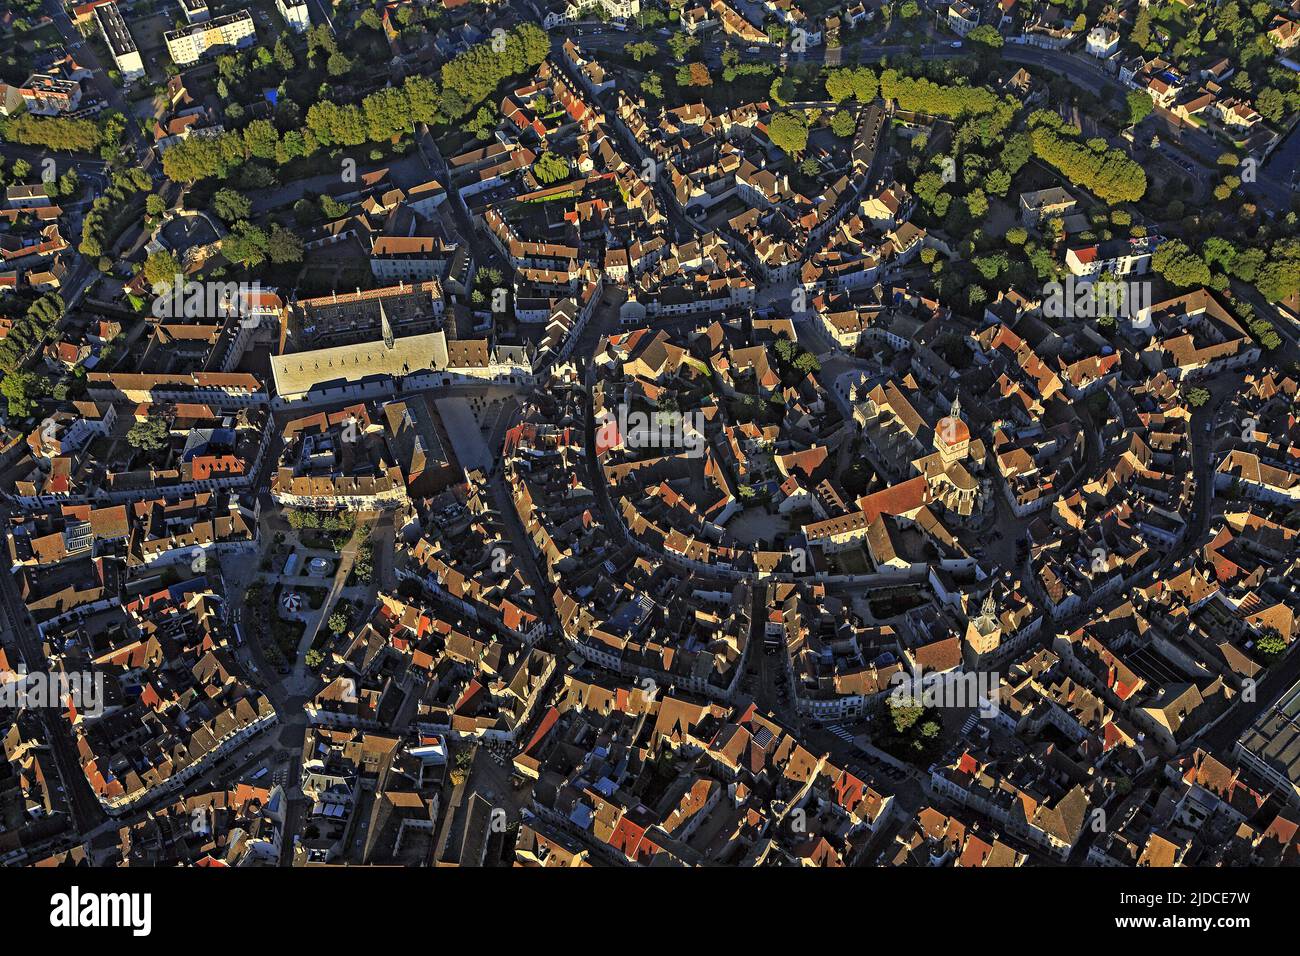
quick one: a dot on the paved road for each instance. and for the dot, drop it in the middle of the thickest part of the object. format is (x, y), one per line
(108, 91)
(1272, 185)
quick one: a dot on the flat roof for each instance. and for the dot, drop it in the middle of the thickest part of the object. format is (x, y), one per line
(192, 28)
(1274, 737)
(119, 37)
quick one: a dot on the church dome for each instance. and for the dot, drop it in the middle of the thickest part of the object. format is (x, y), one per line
(951, 431)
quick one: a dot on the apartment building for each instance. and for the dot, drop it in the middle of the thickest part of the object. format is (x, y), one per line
(188, 45)
(196, 11)
(121, 45)
(295, 14)
(50, 96)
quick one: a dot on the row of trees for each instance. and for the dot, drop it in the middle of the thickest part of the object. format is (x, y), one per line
(472, 77)
(111, 210)
(331, 523)
(54, 132)
(467, 81)
(924, 96)
(1275, 272)
(857, 83)
(32, 329)
(1110, 175)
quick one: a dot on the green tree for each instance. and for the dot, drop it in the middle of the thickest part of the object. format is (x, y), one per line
(161, 268)
(843, 124)
(299, 519)
(997, 182)
(857, 83)
(246, 244)
(231, 205)
(22, 390)
(283, 245)
(1141, 35)
(903, 714)
(1270, 104)
(550, 169)
(333, 208)
(149, 434)
(789, 133)
(640, 51)
(284, 57)
(1139, 106)
(69, 183)
(1271, 646)
(1179, 265)
(261, 139)
(338, 65)
(839, 85)
(1278, 280)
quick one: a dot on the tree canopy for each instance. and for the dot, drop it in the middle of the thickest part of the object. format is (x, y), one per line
(789, 133)
(1108, 173)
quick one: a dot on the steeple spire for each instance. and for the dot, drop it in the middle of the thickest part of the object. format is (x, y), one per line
(956, 406)
(988, 609)
(386, 328)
